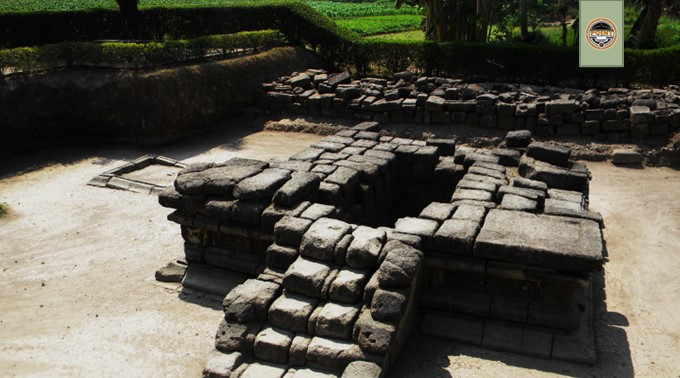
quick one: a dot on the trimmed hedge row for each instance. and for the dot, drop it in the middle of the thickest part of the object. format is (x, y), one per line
(302, 25)
(135, 54)
(518, 63)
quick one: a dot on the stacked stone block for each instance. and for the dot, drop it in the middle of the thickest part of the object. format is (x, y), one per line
(346, 298)
(500, 241)
(616, 112)
(228, 211)
(510, 256)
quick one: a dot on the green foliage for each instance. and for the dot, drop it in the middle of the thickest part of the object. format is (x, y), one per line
(338, 46)
(381, 24)
(329, 8)
(4, 209)
(134, 54)
(350, 9)
(407, 36)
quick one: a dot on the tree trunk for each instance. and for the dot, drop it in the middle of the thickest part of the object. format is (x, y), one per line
(130, 12)
(647, 32)
(523, 24)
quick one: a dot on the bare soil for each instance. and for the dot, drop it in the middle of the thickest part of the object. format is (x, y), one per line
(79, 298)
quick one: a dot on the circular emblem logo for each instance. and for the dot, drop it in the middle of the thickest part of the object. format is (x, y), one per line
(601, 33)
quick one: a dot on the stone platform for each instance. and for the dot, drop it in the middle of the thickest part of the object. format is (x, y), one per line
(337, 252)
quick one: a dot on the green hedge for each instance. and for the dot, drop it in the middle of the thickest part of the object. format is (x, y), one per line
(135, 54)
(344, 49)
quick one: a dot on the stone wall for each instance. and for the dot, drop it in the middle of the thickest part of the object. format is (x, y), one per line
(620, 113)
(147, 106)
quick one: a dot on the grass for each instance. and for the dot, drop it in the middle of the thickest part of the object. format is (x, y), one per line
(4, 209)
(329, 8)
(381, 24)
(407, 36)
(378, 8)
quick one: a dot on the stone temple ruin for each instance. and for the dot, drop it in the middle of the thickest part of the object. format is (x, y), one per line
(339, 252)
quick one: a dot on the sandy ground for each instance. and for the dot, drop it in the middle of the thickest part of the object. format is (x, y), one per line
(78, 295)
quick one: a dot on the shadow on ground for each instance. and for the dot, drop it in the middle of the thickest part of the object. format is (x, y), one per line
(226, 137)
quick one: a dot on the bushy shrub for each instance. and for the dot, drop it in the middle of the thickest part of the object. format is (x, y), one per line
(134, 54)
(339, 47)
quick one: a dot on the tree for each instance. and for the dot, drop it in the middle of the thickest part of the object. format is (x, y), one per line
(128, 6)
(644, 29)
(523, 21)
(130, 12)
(455, 20)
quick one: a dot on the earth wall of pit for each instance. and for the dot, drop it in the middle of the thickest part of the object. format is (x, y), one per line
(145, 106)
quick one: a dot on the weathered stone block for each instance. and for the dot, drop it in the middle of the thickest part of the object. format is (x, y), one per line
(262, 185)
(272, 345)
(434, 103)
(437, 211)
(280, 257)
(471, 194)
(416, 226)
(470, 212)
(291, 311)
(362, 369)
(221, 364)
(170, 197)
(365, 248)
(535, 195)
(218, 180)
(343, 176)
(624, 157)
(518, 203)
(297, 354)
(400, 265)
(236, 337)
(333, 354)
(250, 301)
(249, 212)
(456, 236)
(549, 153)
(321, 238)
(388, 305)
(554, 176)
(640, 114)
(336, 320)
(561, 106)
(306, 277)
(348, 286)
(373, 336)
(289, 230)
(301, 185)
(522, 182)
(542, 240)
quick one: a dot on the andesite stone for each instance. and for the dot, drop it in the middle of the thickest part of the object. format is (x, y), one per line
(306, 277)
(261, 186)
(541, 240)
(291, 311)
(250, 301)
(365, 248)
(321, 238)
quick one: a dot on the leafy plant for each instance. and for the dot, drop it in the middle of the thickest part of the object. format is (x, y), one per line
(381, 24)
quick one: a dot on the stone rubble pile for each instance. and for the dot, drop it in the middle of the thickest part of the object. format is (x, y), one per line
(544, 110)
(494, 247)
